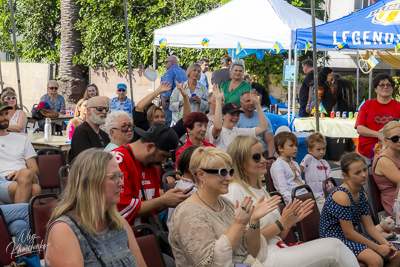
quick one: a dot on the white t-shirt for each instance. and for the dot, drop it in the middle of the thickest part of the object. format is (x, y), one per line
(14, 151)
(315, 172)
(226, 136)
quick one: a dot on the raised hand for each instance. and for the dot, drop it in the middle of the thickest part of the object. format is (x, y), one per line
(262, 208)
(181, 88)
(254, 97)
(217, 92)
(244, 211)
(164, 87)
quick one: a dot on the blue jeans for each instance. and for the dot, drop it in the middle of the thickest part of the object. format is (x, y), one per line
(302, 112)
(168, 120)
(17, 219)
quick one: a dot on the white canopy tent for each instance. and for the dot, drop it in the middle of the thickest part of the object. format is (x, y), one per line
(256, 24)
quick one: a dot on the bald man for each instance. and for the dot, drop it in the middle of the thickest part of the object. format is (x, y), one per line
(174, 74)
(89, 134)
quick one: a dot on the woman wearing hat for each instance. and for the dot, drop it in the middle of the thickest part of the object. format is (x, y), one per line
(122, 102)
(17, 116)
(227, 117)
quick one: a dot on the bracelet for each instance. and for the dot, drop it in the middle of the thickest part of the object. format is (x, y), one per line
(255, 226)
(280, 226)
(308, 105)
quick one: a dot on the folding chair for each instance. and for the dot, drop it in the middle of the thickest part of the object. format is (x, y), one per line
(167, 186)
(332, 187)
(49, 162)
(268, 179)
(149, 246)
(38, 218)
(6, 245)
(291, 236)
(308, 227)
(375, 197)
(63, 177)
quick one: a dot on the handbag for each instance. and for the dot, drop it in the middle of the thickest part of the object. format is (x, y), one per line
(160, 232)
(43, 110)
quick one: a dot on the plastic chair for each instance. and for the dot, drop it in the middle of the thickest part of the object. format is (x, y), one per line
(332, 183)
(149, 246)
(49, 162)
(291, 236)
(63, 173)
(308, 227)
(39, 216)
(268, 179)
(5, 250)
(167, 186)
(375, 197)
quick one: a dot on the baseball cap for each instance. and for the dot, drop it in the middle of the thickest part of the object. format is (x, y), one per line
(230, 108)
(4, 105)
(43, 105)
(121, 86)
(163, 136)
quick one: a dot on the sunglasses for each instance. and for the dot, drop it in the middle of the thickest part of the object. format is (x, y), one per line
(91, 84)
(223, 172)
(125, 128)
(53, 88)
(121, 90)
(100, 109)
(394, 139)
(10, 97)
(257, 156)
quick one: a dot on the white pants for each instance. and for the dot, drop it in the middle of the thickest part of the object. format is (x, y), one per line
(317, 253)
(320, 201)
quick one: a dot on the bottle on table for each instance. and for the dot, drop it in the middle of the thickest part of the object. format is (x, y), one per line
(71, 131)
(47, 130)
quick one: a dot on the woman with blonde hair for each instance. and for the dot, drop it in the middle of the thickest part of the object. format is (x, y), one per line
(249, 159)
(17, 116)
(79, 114)
(207, 229)
(85, 228)
(386, 167)
(196, 91)
(91, 91)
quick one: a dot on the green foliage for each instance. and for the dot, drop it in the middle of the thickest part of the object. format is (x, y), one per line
(38, 24)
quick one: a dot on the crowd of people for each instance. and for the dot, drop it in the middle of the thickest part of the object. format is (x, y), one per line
(219, 213)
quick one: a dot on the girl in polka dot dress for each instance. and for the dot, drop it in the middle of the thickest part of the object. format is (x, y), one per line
(345, 207)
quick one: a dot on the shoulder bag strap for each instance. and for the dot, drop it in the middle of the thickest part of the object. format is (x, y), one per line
(96, 253)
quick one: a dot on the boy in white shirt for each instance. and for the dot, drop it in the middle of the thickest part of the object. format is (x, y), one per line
(285, 171)
(316, 169)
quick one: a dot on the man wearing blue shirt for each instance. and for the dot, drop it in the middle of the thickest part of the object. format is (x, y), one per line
(204, 65)
(174, 73)
(122, 102)
(249, 119)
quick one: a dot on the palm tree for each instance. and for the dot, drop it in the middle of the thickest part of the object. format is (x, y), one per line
(71, 80)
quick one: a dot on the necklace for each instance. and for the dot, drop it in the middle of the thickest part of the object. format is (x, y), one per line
(220, 208)
(80, 119)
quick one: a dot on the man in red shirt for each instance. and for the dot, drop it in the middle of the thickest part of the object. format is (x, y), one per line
(138, 165)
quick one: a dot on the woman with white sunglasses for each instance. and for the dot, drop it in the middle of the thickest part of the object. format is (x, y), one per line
(17, 117)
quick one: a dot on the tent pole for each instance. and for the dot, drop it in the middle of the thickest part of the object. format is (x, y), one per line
(315, 66)
(358, 78)
(1, 78)
(369, 85)
(154, 64)
(294, 83)
(15, 51)
(129, 53)
(289, 88)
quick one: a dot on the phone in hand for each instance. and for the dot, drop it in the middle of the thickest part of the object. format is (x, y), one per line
(11, 177)
(189, 190)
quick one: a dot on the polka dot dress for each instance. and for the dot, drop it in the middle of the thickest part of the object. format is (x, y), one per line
(329, 225)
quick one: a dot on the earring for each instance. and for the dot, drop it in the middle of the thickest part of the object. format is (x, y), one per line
(114, 137)
(202, 184)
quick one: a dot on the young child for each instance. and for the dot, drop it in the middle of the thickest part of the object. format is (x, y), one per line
(285, 171)
(346, 207)
(315, 168)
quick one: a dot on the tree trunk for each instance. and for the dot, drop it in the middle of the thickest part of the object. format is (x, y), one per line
(71, 80)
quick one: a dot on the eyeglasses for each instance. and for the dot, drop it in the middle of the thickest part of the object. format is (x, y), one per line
(121, 90)
(116, 177)
(388, 85)
(100, 109)
(125, 128)
(166, 62)
(223, 172)
(53, 88)
(257, 156)
(10, 97)
(394, 139)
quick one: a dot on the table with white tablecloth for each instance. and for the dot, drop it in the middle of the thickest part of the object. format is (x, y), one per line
(339, 128)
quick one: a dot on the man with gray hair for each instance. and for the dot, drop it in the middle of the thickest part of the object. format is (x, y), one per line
(89, 134)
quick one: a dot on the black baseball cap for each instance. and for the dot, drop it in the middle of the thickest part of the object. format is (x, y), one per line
(163, 136)
(230, 108)
(4, 105)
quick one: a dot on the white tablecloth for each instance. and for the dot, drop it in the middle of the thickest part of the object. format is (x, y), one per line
(328, 127)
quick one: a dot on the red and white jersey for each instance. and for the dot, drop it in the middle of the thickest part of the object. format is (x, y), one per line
(131, 194)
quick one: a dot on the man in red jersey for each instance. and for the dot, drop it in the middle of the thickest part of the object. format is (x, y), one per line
(137, 161)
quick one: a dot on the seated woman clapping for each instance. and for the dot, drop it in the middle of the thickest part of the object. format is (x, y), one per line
(87, 217)
(207, 229)
(250, 160)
